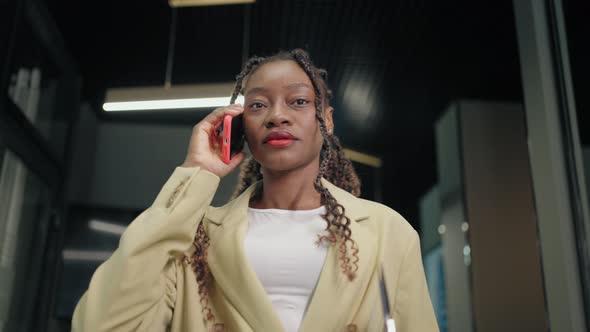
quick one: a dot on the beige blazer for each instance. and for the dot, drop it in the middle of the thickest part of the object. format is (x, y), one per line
(146, 285)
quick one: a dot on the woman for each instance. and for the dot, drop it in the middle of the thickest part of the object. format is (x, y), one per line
(252, 265)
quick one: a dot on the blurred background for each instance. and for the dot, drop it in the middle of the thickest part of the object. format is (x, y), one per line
(470, 118)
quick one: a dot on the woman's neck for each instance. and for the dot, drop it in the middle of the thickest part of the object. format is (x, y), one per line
(292, 190)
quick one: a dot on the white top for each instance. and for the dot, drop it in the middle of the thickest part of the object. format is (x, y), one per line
(280, 245)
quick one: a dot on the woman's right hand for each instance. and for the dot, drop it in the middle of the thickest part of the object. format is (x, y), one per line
(204, 148)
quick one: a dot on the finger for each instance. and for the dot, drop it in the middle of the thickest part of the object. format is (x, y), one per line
(216, 120)
(236, 160)
(226, 110)
(214, 140)
(216, 116)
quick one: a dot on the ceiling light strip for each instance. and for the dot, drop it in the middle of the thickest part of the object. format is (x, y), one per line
(185, 103)
(192, 3)
(363, 158)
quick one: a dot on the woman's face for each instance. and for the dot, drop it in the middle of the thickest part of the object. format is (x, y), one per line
(280, 117)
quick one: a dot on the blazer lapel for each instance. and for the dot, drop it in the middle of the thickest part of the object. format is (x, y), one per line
(240, 284)
(336, 299)
(231, 269)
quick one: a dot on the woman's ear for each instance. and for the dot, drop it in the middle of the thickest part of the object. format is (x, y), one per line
(328, 120)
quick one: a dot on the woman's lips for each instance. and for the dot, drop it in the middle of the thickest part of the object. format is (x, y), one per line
(279, 139)
(279, 143)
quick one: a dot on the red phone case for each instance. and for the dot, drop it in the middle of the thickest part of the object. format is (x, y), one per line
(226, 143)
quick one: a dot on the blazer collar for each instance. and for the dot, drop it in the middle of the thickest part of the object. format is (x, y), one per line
(242, 288)
(354, 207)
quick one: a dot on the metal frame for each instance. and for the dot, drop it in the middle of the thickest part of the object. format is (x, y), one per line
(572, 148)
(19, 135)
(555, 156)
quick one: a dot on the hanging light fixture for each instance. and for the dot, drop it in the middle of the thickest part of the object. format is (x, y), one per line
(191, 3)
(171, 97)
(177, 97)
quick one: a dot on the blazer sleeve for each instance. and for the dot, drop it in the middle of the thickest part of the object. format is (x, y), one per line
(135, 289)
(413, 311)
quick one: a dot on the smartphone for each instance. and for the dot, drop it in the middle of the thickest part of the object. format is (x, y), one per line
(232, 135)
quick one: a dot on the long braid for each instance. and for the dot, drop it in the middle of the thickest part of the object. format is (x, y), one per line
(250, 169)
(340, 171)
(250, 173)
(338, 222)
(252, 63)
(334, 166)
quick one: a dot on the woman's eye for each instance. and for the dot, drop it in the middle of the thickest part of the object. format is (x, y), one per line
(256, 106)
(301, 101)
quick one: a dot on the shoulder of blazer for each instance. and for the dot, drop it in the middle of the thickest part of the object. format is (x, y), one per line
(385, 219)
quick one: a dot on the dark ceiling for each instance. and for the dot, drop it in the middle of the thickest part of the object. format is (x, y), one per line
(393, 65)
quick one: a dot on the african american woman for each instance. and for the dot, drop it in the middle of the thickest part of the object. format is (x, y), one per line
(294, 250)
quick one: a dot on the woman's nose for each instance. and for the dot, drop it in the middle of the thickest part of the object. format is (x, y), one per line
(277, 116)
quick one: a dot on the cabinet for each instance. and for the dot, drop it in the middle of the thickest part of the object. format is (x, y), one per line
(487, 219)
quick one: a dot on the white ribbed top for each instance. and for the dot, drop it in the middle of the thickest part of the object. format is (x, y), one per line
(280, 245)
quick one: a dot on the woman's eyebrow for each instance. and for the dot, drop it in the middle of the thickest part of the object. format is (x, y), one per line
(256, 90)
(297, 85)
(290, 86)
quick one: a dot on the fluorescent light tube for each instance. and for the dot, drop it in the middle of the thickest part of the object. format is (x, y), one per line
(106, 227)
(363, 158)
(176, 97)
(86, 255)
(167, 104)
(191, 3)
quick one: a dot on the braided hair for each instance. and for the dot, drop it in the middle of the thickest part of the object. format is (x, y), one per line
(334, 167)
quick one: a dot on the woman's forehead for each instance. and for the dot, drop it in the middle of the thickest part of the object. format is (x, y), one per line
(284, 73)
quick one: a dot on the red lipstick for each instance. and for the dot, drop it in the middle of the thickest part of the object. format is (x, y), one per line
(279, 139)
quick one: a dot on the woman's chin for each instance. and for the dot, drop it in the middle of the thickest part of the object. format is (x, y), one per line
(278, 167)
(281, 164)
